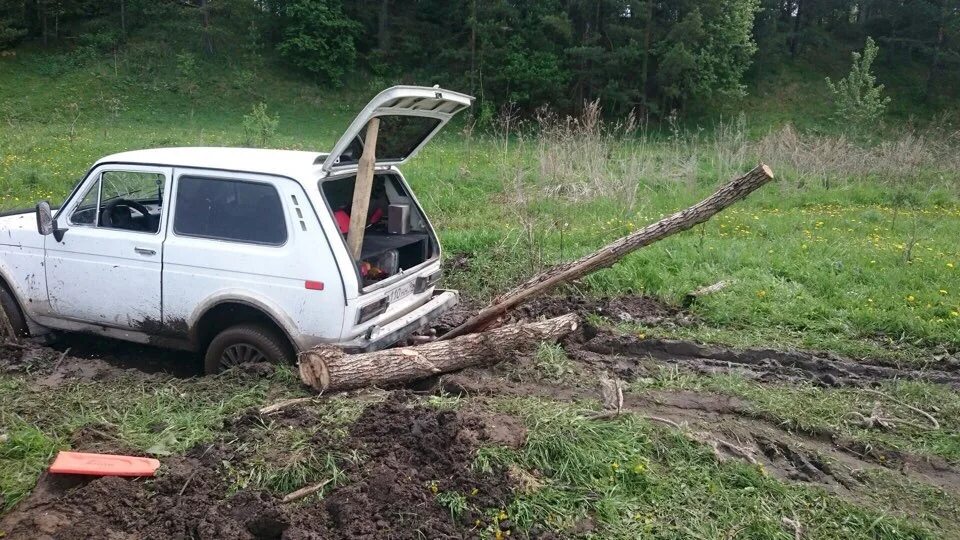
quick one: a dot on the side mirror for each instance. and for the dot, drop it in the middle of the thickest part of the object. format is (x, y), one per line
(44, 218)
(45, 222)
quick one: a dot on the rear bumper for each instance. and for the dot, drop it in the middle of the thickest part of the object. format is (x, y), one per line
(384, 336)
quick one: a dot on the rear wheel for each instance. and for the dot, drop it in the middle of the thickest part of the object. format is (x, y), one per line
(18, 323)
(243, 344)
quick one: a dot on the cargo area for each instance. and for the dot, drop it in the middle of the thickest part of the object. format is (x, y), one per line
(397, 237)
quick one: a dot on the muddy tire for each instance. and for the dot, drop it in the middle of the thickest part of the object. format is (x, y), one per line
(246, 343)
(18, 323)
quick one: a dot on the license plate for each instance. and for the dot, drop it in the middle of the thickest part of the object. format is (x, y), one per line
(400, 292)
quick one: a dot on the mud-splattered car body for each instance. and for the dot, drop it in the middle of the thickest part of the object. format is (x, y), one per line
(169, 246)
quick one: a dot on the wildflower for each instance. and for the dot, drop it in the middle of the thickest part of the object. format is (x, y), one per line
(502, 515)
(870, 300)
(910, 298)
(949, 265)
(474, 491)
(639, 468)
(955, 313)
(615, 465)
(641, 335)
(433, 488)
(761, 293)
(942, 291)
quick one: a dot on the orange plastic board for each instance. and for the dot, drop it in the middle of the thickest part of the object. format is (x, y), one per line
(103, 464)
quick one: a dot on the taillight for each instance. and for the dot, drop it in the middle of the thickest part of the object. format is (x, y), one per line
(372, 310)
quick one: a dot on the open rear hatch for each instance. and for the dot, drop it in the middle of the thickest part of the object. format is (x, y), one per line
(409, 117)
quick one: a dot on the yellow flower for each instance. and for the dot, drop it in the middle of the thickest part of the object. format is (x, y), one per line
(942, 291)
(910, 298)
(870, 300)
(474, 491)
(955, 313)
(639, 468)
(761, 293)
(615, 465)
(949, 265)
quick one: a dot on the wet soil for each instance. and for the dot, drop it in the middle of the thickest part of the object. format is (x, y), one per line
(630, 357)
(735, 431)
(410, 454)
(69, 358)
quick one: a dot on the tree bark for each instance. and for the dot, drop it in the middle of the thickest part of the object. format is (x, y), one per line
(732, 192)
(330, 369)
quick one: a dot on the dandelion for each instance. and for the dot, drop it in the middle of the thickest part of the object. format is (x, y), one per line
(949, 265)
(761, 293)
(955, 313)
(910, 298)
(615, 465)
(942, 291)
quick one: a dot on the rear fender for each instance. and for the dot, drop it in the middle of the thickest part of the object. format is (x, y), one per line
(269, 308)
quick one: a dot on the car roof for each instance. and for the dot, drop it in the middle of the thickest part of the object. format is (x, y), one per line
(296, 164)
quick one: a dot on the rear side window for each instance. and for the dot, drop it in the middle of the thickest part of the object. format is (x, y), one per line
(229, 210)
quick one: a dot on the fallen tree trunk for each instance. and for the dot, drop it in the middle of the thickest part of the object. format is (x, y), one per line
(730, 193)
(330, 369)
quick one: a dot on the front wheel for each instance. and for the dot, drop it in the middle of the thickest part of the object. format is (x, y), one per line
(243, 344)
(18, 323)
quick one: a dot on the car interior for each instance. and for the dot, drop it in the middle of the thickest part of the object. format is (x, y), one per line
(396, 238)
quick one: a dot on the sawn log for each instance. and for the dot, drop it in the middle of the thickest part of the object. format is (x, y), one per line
(330, 369)
(730, 193)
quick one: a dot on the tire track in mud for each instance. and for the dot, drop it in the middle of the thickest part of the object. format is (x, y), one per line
(736, 431)
(630, 357)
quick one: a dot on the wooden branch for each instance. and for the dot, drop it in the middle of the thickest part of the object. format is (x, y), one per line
(725, 196)
(361, 190)
(330, 369)
(280, 405)
(303, 492)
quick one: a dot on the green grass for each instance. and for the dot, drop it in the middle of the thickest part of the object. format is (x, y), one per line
(157, 417)
(867, 267)
(635, 480)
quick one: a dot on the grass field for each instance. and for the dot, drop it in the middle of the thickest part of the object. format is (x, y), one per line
(852, 250)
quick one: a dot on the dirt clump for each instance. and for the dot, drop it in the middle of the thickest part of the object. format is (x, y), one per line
(409, 455)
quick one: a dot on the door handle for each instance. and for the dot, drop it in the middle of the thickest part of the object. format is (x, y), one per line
(145, 251)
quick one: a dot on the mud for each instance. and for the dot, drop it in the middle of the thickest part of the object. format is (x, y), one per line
(630, 308)
(71, 358)
(409, 454)
(630, 357)
(819, 458)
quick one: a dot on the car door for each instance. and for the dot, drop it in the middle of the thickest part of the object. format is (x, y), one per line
(106, 268)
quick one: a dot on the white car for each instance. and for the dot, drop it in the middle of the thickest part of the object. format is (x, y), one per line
(239, 254)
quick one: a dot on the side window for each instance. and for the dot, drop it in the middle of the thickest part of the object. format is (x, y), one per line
(122, 200)
(131, 200)
(86, 212)
(229, 210)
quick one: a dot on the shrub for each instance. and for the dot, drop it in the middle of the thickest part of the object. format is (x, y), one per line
(857, 99)
(258, 126)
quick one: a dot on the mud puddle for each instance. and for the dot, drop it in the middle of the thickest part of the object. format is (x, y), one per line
(405, 455)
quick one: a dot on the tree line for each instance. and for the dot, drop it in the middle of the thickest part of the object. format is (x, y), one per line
(652, 56)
